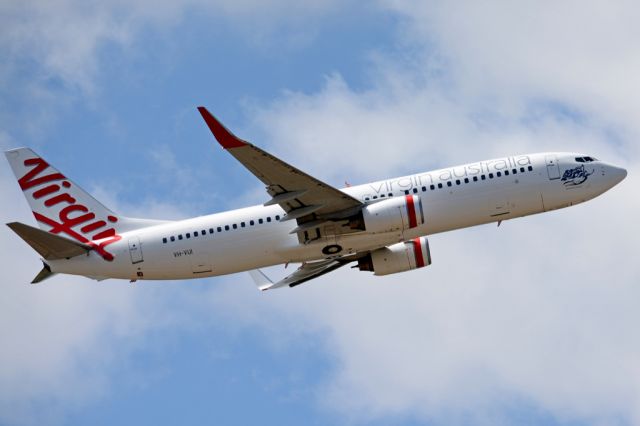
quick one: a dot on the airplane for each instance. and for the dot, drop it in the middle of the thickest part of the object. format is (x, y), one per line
(380, 227)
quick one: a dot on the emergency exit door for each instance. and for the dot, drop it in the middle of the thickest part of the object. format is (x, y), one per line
(135, 251)
(553, 169)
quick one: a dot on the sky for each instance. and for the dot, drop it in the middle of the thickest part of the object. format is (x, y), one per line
(533, 322)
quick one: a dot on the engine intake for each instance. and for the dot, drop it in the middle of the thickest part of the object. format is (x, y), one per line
(398, 257)
(393, 214)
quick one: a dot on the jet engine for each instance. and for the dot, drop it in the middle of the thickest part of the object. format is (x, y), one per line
(392, 214)
(398, 257)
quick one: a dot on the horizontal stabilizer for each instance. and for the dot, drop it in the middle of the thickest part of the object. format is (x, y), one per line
(50, 246)
(43, 275)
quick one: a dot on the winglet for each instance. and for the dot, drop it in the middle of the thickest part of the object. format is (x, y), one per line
(260, 279)
(224, 137)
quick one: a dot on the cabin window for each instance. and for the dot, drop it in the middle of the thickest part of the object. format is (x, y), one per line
(172, 238)
(432, 187)
(226, 227)
(390, 194)
(195, 233)
(499, 174)
(260, 221)
(475, 178)
(211, 230)
(188, 235)
(375, 197)
(490, 175)
(251, 222)
(457, 181)
(277, 217)
(235, 226)
(506, 172)
(242, 224)
(406, 192)
(449, 183)
(268, 218)
(466, 180)
(415, 190)
(440, 185)
(514, 171)
(530, 168)
(164, 241)
(180, 236)
(521, 169)
(367, 199)
(219, 228)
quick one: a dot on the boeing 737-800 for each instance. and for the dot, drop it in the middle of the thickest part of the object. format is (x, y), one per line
(382, 227)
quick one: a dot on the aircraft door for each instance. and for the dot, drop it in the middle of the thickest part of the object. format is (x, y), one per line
(553, 169)
(135, 250)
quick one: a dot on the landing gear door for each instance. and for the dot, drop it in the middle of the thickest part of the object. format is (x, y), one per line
(553, 169)
(135, 250)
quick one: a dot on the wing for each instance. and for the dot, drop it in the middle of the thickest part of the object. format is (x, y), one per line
(307, 271)
(303, 197)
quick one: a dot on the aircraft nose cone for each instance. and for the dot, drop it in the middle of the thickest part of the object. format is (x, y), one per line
(618, 173)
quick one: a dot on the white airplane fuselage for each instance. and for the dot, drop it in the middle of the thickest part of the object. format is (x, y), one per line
(255, 237)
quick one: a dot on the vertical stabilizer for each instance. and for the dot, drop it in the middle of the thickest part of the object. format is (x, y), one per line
(61, 207)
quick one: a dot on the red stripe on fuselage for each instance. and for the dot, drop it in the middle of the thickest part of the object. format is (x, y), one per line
(411, 211)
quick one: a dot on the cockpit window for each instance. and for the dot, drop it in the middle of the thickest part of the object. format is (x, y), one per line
(586, 159)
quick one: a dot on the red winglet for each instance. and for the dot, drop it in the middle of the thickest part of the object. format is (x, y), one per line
(223, 136)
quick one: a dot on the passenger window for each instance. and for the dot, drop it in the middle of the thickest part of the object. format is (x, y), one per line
(580, 159)
(180, 236)
(188, 235)
(211, 230)
(260, 221)
(381, 195)
(514, 171)
(432, 187)
(498, 174)
(269, 219)
(164, 241)
(449, 183)
(490, 175)
(483, 177)
(457, 181)
(235, 226)
(466, 180)
(475, 178)
(390, 194)
(530, 168)
(506, 172)
(203, 232)
(226, 227)
(424, 189)
(172, 238)
(521, 169)
(406, 192)
(251, 222)
(277, 217)
(415, 190)
(242, 224)
(366, 199)
(219, 228)
(375, 197)
(440, 185)
(195, 233)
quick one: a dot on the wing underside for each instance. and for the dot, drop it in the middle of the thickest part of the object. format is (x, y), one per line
(311, 202)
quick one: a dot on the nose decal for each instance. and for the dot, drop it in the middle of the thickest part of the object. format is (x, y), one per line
(576, 176)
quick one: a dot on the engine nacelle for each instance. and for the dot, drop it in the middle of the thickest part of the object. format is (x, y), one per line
(399, 257)
(393, 214)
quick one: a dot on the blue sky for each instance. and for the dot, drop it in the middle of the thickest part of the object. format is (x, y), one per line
(501, 329)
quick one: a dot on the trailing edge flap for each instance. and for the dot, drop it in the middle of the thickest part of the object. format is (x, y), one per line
(50, 246)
